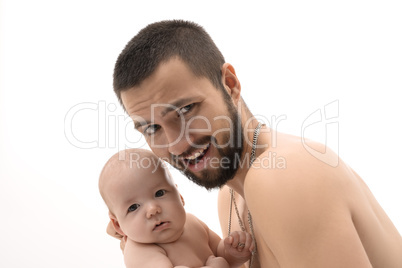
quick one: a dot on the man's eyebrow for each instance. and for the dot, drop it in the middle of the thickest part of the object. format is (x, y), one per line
(138, 124)
(174, 105)
(168, 107)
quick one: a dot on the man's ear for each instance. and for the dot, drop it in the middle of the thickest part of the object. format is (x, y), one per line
(231, 82)
(116, 224)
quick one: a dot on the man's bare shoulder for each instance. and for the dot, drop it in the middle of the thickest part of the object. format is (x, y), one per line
(290, 168)
(292, 157)
(302, 203)
(291, 172)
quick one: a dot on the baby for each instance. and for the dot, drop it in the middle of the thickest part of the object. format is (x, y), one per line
(146, 208)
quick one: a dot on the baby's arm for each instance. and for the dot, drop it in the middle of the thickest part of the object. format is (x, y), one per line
(236, 248)
(231, 248)
(151, 256)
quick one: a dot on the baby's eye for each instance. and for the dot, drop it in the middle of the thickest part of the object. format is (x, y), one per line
(186, 109)
(133, 207)
(160, 193)
(151, 129)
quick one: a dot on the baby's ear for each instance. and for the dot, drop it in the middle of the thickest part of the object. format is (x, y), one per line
(182, 200)
(181, 197)
(116, 224)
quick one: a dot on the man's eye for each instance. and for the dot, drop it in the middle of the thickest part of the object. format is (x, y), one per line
(133, 207)
(160, 193)
(151, 129)
(186, 108)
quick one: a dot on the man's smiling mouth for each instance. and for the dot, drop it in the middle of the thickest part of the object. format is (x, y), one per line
(196, 156)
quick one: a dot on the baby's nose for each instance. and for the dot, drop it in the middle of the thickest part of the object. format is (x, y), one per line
(153, 210)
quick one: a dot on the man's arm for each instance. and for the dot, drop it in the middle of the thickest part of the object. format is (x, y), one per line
(303, 213)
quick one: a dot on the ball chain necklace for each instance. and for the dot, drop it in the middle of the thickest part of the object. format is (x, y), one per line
(233, 201)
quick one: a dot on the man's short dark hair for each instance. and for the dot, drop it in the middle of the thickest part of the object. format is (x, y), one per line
(159, 42)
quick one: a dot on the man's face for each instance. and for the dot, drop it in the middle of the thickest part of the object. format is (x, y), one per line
(187, 122)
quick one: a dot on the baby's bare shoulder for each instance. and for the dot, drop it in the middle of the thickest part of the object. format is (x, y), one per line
(145, 255)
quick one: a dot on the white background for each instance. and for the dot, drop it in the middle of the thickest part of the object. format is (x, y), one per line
(292, 58)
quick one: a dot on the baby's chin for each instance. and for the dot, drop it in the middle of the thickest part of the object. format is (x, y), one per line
(163, 240)
(171, 239)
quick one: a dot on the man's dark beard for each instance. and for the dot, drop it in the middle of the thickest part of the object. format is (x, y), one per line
(233, 152)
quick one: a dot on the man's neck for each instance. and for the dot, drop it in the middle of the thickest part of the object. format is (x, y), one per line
(237, 183)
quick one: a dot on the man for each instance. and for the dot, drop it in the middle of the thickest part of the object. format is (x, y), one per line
(174, 83)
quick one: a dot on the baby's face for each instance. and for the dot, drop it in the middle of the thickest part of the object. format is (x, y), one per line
(147, 205)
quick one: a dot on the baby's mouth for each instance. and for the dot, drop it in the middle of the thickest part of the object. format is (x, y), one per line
(160, 225)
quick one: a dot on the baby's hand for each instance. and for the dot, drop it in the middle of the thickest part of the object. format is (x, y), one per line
(239, 245)
(216, 262)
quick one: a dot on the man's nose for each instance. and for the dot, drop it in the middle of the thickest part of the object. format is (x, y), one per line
(178, 140)
(153, 209)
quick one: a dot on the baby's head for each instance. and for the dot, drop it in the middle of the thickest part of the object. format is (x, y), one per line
(144, 203)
